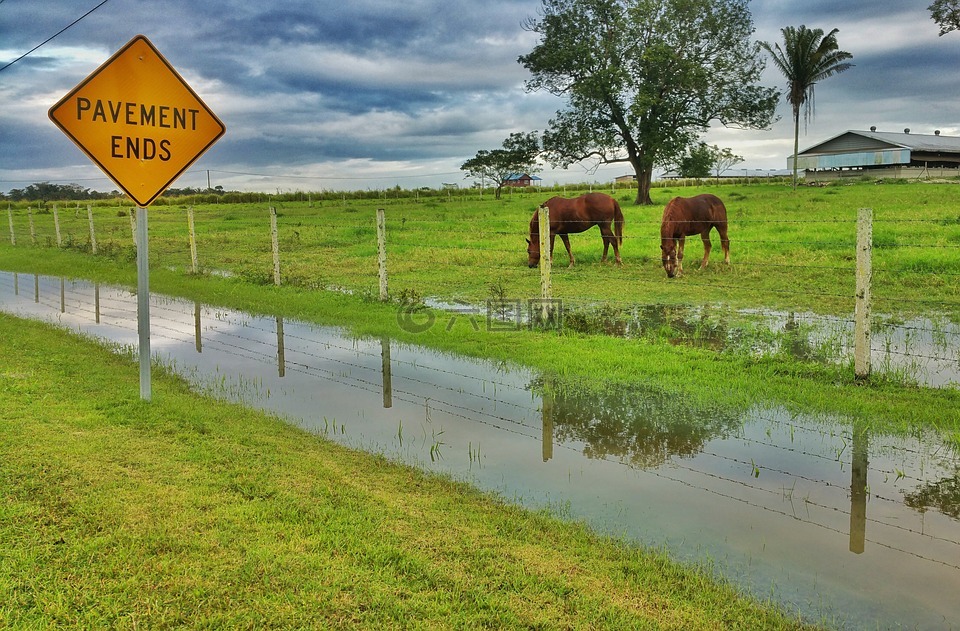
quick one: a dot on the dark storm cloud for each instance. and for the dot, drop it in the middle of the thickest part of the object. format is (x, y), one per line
(321, 87)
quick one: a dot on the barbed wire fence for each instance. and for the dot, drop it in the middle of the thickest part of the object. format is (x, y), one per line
(484, 278)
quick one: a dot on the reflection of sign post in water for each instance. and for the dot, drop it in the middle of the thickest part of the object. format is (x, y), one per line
(139, 121)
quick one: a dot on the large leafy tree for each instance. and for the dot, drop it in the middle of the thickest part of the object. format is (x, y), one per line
(518, 155)
(645, 78)
(806, 58)
(946, 13)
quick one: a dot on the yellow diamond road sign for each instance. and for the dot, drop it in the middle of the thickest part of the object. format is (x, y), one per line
(138, 120)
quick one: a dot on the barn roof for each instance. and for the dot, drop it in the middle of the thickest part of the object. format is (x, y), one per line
(856, 148)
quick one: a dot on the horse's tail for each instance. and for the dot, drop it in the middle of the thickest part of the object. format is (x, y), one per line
(618, 222)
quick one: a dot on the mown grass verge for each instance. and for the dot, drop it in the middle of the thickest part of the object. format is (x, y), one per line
(186, 511)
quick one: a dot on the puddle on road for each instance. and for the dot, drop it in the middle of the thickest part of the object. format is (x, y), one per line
(862, 530)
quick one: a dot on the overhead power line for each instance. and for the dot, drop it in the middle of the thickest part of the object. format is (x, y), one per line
(53, 36)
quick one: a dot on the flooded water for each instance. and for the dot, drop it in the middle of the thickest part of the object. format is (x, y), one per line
(925, 351)
(859, 530)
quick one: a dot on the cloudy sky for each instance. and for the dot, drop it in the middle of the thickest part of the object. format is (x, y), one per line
(368, 94)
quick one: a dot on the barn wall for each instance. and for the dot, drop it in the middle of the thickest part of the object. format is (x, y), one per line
(889, 172)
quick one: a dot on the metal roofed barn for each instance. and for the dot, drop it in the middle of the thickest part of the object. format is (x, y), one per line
(882, 155)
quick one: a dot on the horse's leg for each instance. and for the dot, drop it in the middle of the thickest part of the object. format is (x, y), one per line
(553, 240)
(724, 242)
(605, 235)
(610, 238)
(680, 242)
(566, 242)
(705, 235)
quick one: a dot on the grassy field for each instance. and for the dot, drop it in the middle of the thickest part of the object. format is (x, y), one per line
(187, 512)
(791, 251)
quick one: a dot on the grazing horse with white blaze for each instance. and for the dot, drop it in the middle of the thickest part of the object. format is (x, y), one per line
(685, 216)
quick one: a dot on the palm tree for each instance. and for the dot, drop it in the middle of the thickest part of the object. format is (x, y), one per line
(807, 56)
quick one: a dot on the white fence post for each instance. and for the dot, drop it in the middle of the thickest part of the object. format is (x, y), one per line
(382, 253)
(93, 233)
(546, 263)
(13, 236)
(863, 301)
(193, 241)
(276, 245)
(56, 225)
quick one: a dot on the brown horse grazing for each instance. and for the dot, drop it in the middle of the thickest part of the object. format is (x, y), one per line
(684, 216)
(569, 216)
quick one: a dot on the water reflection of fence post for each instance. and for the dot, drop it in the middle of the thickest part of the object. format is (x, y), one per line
(861, 334)
(63, 296)
(547, 400)
(36, 288)
(197, 327)
(546, 262)
(858, 489)
(96, 302)
(281, 356)
(547, 436)
(387, 375)
(274, 237)
(93, 233)
(382, 253)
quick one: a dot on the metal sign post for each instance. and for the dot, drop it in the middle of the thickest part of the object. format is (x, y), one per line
(143, 303)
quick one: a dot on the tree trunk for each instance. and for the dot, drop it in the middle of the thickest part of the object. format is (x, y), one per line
(796, 145)
(644, 178)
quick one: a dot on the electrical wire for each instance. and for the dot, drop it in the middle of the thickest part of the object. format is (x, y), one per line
(49, 39)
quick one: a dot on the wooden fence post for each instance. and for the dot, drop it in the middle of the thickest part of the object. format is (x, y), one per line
(93, 234)
(546, 263)
(56, 225)
(382, 253)
(33, 230)
(276, 245)
(13, 236)
(863, 305)
(133, 226)
(193, 241)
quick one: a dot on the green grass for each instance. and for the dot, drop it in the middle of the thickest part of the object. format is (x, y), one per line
(790, 250)
(190, 512)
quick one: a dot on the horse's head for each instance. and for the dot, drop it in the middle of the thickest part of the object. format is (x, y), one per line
(668, 254)
(533, 252)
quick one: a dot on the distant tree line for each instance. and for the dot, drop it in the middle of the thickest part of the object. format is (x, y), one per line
(47, 192)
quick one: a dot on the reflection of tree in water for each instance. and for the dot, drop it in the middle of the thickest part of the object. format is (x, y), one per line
(701, 326)
(942, 495)
(639, 425)
(712, 327)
